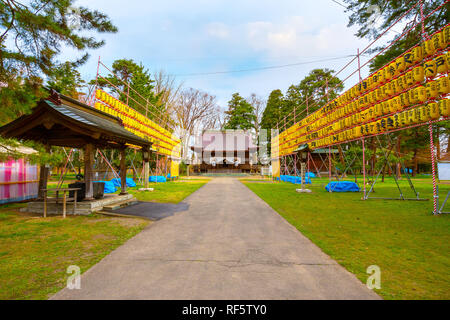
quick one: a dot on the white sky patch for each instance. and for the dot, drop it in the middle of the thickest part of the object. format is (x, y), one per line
(218, 30)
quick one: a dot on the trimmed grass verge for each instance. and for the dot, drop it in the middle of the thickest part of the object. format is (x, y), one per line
(411, 246)
(169, 192)
(35, 252)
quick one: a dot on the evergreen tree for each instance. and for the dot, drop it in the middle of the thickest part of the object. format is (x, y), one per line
(66, 80)
(32, 37)
(240, 114)
(139, 89)
(313, 87)
(272, 114)
(375, 16)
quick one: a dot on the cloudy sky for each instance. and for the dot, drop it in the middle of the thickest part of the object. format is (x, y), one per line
(185, 38)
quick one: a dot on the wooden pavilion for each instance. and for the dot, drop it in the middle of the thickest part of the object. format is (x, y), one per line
(62, 121)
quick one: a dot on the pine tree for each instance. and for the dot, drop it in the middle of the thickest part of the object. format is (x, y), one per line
(314, 87)
(32, 36)
(66, 80)
(365, 13)
(240, 114)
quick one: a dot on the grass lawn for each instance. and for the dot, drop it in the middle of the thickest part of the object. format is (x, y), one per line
(169, 192)
(35, 252)
(411, 246)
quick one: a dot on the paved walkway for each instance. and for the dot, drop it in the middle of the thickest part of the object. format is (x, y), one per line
(229, 244)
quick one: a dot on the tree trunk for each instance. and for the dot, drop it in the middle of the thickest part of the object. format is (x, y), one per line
(416, 163)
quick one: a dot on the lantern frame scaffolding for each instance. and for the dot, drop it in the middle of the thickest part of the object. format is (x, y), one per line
(306, 106)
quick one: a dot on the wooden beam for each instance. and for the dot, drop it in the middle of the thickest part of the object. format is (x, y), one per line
(89, 171)
(123, 171)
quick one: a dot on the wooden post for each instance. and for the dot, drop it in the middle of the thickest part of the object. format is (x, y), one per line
(64, 203)
(146, 173)
(89, 171)
(146, 157)
(45, 202)
(123, 171)
(75, 202)
(43, 177)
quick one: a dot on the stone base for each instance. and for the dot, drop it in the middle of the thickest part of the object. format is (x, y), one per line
(146, 189)
(303, 191)
(83, 207)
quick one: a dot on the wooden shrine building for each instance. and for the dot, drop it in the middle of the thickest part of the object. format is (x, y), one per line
(229, 151)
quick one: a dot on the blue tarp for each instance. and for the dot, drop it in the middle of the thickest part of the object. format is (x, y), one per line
(109, 186)
(130, 183)
(310, 175)
(157, 179)
(169, 176)
(294, 179)
(342, 186)
(406, 170)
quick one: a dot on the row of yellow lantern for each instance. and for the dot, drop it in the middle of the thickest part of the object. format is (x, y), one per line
(422, 114)
(411, 58)
(339, 108)
(163, 140)
(140, 130)
(407, 118)
(131, 116)
(420, 94)
(395, 94)
(402, 72)
(441, 109)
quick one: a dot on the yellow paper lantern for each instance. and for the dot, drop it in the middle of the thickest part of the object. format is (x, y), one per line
(428, 48)
(432, 89)
(439, 41)
(444, 107)
(434, 111)
(441, 64)
(443, 86)
(430, 69)
(418, 74)
(417, 54)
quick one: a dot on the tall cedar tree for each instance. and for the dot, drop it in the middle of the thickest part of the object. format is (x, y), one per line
(240, 114)
(272, 114)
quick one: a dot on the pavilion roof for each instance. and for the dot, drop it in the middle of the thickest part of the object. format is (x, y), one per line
(63, 121)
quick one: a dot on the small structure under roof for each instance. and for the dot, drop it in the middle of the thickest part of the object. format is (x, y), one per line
(65, 122)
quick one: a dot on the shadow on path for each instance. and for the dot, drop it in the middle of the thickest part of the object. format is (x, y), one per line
(153, 210)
